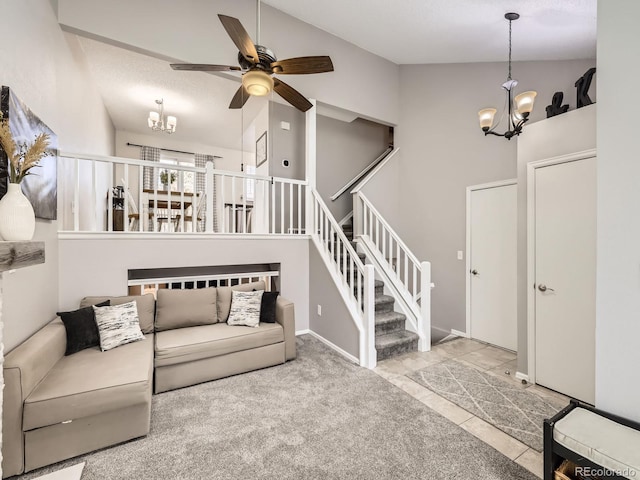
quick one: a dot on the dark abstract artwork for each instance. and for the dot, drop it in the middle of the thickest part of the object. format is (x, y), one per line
(40, 187)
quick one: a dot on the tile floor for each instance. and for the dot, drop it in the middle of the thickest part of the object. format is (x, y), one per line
(477, 355)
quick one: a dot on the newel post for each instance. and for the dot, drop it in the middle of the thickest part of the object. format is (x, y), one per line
(368, 354)
(424, 345)
(209, 180)
(310, 165)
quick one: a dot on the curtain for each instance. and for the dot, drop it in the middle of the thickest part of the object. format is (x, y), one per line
(200, 184)
(149, 174)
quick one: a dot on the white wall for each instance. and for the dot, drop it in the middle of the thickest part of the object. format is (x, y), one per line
(189, 30)
(568, 133)
(618, 249)
(46, 70)
(95, 266)
(443, 151)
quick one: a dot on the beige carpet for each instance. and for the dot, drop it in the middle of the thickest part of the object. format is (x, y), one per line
(318, 417)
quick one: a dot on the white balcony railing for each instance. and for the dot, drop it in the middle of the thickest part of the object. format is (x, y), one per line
(109, 194)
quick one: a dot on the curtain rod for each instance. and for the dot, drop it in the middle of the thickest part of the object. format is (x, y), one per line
(168, 150)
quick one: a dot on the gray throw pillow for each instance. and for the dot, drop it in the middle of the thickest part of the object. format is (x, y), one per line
(245, 308)
(118, 325)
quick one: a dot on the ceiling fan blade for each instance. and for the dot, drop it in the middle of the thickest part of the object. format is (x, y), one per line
(291, 95)
(203, 67)
(303, 65)
(240, 98)
(240, 37)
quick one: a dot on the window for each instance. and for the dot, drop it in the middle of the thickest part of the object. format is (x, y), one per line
(176, 180)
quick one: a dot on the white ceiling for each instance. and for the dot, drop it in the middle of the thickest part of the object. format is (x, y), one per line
(130, 82)
(443, 31)
(455, 31)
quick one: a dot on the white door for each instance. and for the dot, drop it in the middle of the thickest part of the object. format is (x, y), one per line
(493, 270)
(565, 281)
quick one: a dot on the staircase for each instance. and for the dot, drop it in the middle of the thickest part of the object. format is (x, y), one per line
(391, 337)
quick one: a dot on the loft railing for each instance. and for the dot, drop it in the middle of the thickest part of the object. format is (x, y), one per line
(410, 277)
(108, 194)
(355, 280)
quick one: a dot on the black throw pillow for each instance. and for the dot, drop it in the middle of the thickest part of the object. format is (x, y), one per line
(268, 307)
(82, 330)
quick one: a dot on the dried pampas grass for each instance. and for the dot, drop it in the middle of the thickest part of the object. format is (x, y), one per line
(22, 158)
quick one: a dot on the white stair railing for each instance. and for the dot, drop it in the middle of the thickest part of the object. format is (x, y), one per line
(107, 194)
(410, 277)
(355, 281)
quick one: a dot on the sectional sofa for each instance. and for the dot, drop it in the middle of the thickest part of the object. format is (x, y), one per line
(57, 407)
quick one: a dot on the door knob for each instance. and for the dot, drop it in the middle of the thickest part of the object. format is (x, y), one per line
(474, 272)
(544, 288)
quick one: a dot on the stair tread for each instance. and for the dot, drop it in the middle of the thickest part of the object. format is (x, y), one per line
(389, 317)
(395, 338)
(384, 299)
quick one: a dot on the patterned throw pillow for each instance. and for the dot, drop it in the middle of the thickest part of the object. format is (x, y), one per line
(245, 308)
(118, 325)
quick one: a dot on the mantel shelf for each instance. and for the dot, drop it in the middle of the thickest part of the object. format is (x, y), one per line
(14, 255)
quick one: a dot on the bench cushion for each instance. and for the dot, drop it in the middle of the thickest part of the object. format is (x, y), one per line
(92, 382)
(195, 343)
(600, 440)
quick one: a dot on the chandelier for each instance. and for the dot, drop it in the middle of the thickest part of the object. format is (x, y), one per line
(157, 121)
(517, 109)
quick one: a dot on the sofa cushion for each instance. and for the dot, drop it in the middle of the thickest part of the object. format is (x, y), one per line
(268, 307)
(186, 308)
(117, 325)
(91, 382)
(245, 308)
(146, 305)
(81, 328)
(224, 297)
(195, 343)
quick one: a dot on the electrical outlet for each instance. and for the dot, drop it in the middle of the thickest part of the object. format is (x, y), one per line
(460, 255)
(319, 310)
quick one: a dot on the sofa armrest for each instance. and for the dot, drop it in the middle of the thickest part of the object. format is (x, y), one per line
(285, 316)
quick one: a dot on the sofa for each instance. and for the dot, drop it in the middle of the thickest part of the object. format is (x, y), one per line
(57, 407)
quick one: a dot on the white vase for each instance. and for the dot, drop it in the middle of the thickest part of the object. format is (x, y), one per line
(17, 218)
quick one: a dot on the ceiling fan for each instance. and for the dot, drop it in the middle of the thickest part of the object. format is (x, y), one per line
(258, 64)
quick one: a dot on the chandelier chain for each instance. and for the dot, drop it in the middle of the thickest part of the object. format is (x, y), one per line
(509, 78)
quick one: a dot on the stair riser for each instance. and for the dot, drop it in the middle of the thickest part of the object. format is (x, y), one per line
(399, 349)
(390, 327)
(384, 307)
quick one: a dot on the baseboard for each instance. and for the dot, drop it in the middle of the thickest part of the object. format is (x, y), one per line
(303, 332)
(522, 376)
(458, 333)
(333, 346)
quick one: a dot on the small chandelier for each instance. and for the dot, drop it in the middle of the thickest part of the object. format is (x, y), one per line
(157, 122)
(517, 109)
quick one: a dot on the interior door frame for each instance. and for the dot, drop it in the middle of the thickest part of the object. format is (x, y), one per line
(531, 248)
(470, 190)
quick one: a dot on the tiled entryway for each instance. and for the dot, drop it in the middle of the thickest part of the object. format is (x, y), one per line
(482, 357)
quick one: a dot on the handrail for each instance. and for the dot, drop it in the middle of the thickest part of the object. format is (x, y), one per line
(364, 172)
(409, 277)
(338, 231)
(354, 279)
(391, 231)
(373, 172)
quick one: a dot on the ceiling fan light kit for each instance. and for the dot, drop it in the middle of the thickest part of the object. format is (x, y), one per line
(258, 64)
(518, 109)
(157, 121)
